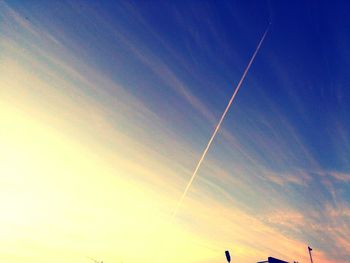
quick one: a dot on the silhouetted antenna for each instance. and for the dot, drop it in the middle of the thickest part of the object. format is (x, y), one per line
(228, 257)
(310, 249)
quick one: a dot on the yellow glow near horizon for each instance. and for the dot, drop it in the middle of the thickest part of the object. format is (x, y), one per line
(61, 200)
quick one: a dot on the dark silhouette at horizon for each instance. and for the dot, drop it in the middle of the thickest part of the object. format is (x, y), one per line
(273, 260)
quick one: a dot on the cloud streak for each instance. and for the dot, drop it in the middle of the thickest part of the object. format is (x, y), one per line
(219, 123)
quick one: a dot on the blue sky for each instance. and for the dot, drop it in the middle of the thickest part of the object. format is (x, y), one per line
(160, 74)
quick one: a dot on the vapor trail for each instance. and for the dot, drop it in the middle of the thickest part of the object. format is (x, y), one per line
(219, 124)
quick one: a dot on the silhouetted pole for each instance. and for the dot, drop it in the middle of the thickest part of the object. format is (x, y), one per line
(310, 249)
(228, 257)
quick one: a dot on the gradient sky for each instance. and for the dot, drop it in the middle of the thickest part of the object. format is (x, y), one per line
(106, 107)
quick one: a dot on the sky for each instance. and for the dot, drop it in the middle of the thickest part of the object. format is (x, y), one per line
(107, 106)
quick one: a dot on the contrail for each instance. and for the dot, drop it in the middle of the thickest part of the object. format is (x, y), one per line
(219, 124)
